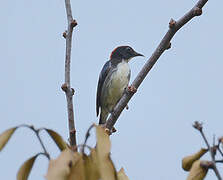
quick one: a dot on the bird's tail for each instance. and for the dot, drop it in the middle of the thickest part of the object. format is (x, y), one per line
(103, 116)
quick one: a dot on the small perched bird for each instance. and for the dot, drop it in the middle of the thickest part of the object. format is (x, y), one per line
(113, 80)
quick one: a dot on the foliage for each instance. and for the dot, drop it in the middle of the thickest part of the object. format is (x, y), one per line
(73, 165)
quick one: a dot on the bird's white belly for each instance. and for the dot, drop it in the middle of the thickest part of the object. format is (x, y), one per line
(119, 81)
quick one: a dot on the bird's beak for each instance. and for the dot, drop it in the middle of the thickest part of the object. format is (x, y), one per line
(138, 54)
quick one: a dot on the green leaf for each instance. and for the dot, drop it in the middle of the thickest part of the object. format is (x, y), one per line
(57, 139)
(5, 136)
(26, 168)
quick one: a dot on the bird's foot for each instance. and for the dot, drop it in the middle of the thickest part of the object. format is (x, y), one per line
(108, 131)
(113, 130)
(127, 107)
(132, 89)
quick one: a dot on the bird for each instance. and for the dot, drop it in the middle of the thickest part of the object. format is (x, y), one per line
(113, 80)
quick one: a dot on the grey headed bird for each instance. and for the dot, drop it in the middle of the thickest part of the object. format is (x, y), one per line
(113, 80)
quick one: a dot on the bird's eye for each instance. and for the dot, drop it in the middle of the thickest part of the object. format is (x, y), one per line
(128, 49)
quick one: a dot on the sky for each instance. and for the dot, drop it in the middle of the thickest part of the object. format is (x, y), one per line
(184, 86)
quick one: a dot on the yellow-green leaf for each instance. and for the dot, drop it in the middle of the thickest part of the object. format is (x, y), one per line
(197, 172)
(91, 166)
(106, 167)
(5, 136)
(26, 168)
(103, 141)
(77, 170)
(57, 139)
(60, 168)
(121, 175)
(188, 161)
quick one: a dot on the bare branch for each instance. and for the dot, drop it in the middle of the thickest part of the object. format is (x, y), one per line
(174, 26)
(219, 161)
(212, 150)
(66, 86)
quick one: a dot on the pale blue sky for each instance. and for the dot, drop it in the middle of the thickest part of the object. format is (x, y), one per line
(155, 133)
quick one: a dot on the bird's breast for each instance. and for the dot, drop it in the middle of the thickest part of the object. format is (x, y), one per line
(120, 78)
(118, 82)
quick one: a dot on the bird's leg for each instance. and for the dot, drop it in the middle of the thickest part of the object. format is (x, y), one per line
(127, 107)
(132, 89)
(113, 130)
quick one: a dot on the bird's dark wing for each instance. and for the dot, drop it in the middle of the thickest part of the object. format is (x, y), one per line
(102, 77)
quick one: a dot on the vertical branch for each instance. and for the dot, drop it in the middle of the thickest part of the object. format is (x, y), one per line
(66, 86)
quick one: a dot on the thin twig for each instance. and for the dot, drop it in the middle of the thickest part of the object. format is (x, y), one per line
(174, 26)
(87, 135)
(220, 140)
(66, 87)
(36, 131)
(219, 150)
(199, 127)
(44, 154)
(219, 161)
(83, 146)
(41, 142)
